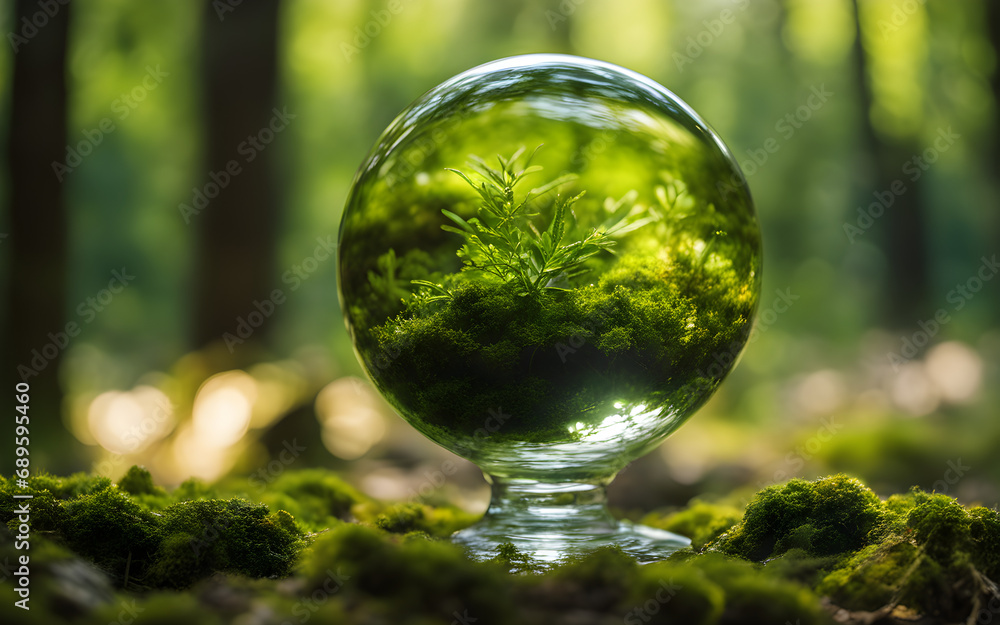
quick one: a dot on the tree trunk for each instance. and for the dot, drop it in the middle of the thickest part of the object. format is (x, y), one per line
(36, 244)
(237, 231)
(900, 229)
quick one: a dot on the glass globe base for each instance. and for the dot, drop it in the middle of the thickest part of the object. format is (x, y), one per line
(550, 522)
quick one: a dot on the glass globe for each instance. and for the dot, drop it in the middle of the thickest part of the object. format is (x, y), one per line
(547, 264)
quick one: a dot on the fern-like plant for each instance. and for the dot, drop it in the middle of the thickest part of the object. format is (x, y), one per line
(503, 239)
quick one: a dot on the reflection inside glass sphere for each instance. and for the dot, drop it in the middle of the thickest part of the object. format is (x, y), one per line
(547, 264)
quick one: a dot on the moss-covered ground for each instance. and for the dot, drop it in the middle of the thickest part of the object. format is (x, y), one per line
(312, 547)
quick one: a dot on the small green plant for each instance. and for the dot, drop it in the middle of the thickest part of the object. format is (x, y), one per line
(503, 240)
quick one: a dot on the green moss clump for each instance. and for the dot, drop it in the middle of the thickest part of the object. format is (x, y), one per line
(403, 578)
(933, 559)
(111, 529)
(984, 535)
(919, 550)
(513, 561)
(608, 568)
(233, 536)
(315, 497)
(770, 599)
(138, 481)
(138, 533)
(439, 522)
(701, 521)
(828, 516)
(670, 593)
(522, 304)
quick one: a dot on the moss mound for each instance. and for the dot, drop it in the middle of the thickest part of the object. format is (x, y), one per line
(829, 516)
(802, 552)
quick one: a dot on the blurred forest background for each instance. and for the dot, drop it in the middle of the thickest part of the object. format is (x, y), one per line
(175, 173)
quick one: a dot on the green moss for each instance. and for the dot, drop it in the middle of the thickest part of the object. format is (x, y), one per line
(193, 488)
(233, 536)
(513, 561)
(828, 516)
(608, 568)
(526, 309)
(163, 608)
(548, 360)
(439, 522)
(111, 529)
(984, 532)
(138, 481)
(701, 521)
(315, 497)
(871, 577)
(72, 486)
(768, 598)
(921, 550)
(670, 593)
(407, 577)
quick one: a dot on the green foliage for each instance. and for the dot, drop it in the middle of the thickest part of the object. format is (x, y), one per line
(492, 347)
(503, 240)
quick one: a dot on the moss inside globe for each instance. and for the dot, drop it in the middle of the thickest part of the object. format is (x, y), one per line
(547, 264)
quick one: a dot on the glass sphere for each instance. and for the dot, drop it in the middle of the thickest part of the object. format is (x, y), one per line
(547, 264)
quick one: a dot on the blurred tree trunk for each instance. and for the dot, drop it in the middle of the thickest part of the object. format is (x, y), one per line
(901, 228)
(993, 31)
(36, 243)
(993, 161)
(237, 235)
(561, 24)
